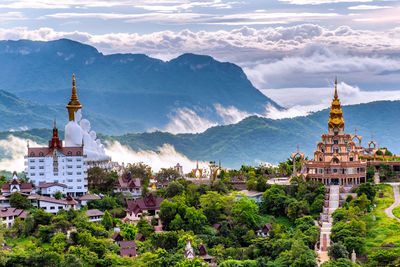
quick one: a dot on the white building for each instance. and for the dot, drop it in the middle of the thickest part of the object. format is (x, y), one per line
(59, 165)
(94, 215)
(52, 205)
(49, 189)
(7, 215)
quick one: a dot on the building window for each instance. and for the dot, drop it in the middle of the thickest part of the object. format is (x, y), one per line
(79, 166)
(32, 167)
(351, 159)
(79, 187)
(69, 180)
(32, 154)
(69, 173)
(320, 159)
(41, 174)
(78, 153)
(45, 208)
(78, 173)
(52, 208)
(60, 207)
(69, 153)
(69, 166)
(41, 167)
(32, 174)
(78, 160)
(79, 180)
(31, 160)
(69, 160)
(41, 160)
(41, 154)
(70, 187)
(336, 133)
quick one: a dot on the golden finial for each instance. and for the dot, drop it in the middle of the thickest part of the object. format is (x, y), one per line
(336, 115)
(336, 93)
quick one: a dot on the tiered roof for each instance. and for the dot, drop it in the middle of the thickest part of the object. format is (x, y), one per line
(336, 115)
(149, 202)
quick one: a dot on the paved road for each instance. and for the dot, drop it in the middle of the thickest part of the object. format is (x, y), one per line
(389, 211)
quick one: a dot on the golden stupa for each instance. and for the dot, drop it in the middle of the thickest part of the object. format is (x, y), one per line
(73, 105)
(336, 115)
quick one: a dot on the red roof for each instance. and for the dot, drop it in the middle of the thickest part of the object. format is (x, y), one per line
(13, 212)
(46, 151)
(203, 252)
(24, 188)
(149, 202)
(117, 237)
(68, 201)
(94, 212)
(127, 181)
(127, 248)
(46, 185)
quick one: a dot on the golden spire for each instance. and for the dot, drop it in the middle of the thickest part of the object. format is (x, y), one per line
(336, 94)
(336, 115)
(73, 105)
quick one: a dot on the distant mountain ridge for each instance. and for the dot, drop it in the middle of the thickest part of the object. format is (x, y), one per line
(258, 139)
(140, 92)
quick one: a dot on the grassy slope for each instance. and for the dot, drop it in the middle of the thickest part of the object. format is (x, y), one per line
(383, 229)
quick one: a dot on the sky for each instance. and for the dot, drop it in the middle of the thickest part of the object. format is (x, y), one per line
(284, 46)
(290, 49)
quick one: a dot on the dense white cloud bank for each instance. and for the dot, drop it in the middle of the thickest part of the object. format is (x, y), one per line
(165, 157)
(14, 149)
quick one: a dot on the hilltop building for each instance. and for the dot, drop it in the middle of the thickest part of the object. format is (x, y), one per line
(336, 160)
(62, 167)
(57, 165)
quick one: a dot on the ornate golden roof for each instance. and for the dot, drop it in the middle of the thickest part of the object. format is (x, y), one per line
(336, 115)
(73, 104)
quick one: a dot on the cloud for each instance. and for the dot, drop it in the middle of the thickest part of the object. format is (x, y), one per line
(165, 157)
(320, 2)
(230, 115)
(185, 120)
(194, 120)
(313, 64)
(13, 150)
(367, 7)
(302, 101)
(161, 5)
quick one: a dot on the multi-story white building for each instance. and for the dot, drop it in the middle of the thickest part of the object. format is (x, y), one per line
(59, 165)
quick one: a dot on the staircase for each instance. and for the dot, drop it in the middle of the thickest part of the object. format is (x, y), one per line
(326, 228)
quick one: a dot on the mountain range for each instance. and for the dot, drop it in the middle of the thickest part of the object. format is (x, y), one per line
(133, 92)
(256, 139)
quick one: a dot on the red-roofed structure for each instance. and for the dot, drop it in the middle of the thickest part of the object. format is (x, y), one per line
(149, 204)
(127, 249)
(127, 184)
(8, 215)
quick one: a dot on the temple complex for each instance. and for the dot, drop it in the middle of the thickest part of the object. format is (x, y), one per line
(336, 160)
